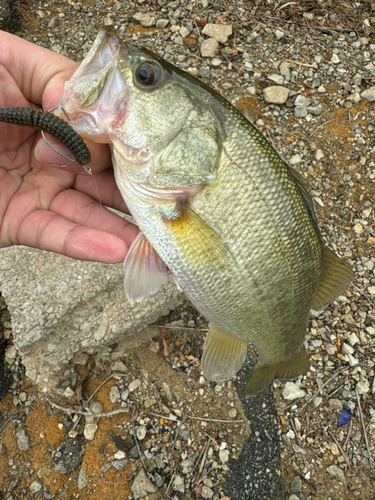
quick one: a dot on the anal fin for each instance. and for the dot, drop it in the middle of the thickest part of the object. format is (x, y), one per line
(144, 271)
(264, 374)
(223, 355)
(337, 276)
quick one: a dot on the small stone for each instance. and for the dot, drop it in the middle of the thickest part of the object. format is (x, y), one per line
(142, 485)
(321, 89)
(355, 98)
(279, 34)
(347, 349)
(81, 481)
(296, 485)
(292, 391)
(369, 94)
(353, 339)
(179, 484)
(209, 48)
(224, 456)
(275, 94)
(119, 366)
(335, 404)
(220, 32)
(204, 73)
(358, 228)
(300, 111)
(301, 100)
(335, 59)
(315, 110)
(158, 480)
(363, 387)
(149, 402)
(23, 440)
(95, 407)
(337, 473)
(134, 384)
(293, 497)
(187, 466)
(35, 487)
(120, 455)
(141, 432)
(193, 71)
(276, 79)
(114, 394)
(119, 464)
(162, 23)
(145, 19)
(318, 155)
(184, 32)
(125, 395)
(216, 62)
(317, 401)
(89, 431)
(207, 493)
(371, 290)
(232, 413)
(295, 159)
(67, 456)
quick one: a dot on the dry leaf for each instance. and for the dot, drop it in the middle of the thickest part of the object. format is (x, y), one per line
(76, 399)
(193, 360)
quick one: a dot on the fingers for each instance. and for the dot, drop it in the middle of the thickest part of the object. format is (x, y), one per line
(49, 231)
(33, 68)
(83, 210)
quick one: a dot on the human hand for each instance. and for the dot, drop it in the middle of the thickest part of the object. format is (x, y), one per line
(43, 206)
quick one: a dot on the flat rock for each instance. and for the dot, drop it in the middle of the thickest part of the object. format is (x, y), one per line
(145, 19)
(275, 94)
(68, 455)
(292, 391)
(220, 32)
(142, 486)
(337, 473)
(209, 48)
(369, 94)
(74, 306)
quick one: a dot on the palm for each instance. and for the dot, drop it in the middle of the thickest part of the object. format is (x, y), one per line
(54, 208)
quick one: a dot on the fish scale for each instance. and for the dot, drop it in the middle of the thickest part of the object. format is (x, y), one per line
(226, 215)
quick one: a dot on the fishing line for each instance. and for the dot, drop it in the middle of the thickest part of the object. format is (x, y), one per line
(86, 168)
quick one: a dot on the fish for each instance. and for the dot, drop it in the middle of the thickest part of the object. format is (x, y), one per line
(216, 206)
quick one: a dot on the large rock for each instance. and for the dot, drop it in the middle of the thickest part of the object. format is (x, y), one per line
(62, 308)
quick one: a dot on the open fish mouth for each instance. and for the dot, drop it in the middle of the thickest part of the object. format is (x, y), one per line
(96, 91)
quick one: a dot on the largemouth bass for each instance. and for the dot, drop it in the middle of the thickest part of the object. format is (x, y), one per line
(215, 204)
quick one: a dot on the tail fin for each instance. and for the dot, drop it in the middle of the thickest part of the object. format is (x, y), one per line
(264, 374)
(337, 276)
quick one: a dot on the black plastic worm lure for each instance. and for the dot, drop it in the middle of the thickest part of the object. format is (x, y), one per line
(53, 125)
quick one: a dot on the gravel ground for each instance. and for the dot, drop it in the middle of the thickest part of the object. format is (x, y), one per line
(304, 72)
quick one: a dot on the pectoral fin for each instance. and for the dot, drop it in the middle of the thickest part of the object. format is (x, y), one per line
(223, 355)
(264, 374)
(144, 271)
(196, 239)
(337, 276)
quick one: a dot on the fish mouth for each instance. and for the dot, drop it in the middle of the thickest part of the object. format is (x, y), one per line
(97, 90)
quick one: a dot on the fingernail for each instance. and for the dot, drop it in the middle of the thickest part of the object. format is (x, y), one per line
(45, 154)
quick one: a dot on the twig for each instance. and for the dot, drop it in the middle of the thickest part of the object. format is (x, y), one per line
(321, 388)
(321, 28)
(298, 440)
(93, 394)
(194, 418)
(87, 413)
(203, 455)
(364, 429)
(182, 328)
(341, 450)
(299, 63)
(349, 432)
(363, 294)
(322, 125)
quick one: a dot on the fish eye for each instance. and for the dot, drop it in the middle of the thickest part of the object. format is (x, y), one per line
(146, 74)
